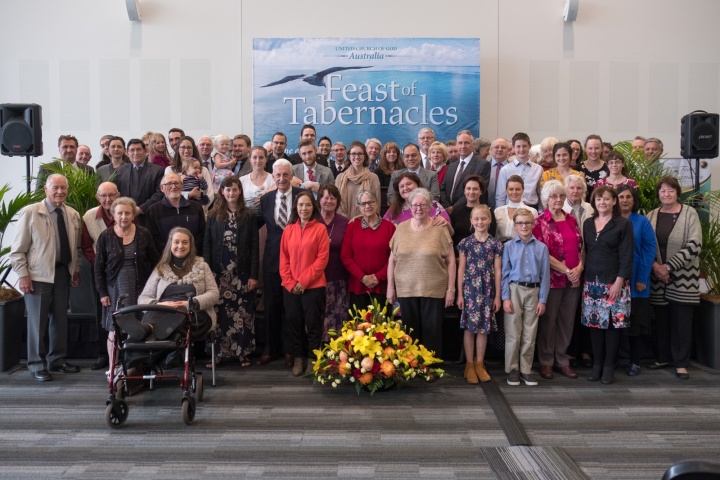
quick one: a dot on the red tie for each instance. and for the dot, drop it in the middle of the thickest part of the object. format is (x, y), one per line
(310, 175)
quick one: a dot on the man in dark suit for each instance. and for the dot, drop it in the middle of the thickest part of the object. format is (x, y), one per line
(307, 132)
(279, 144)
(68, 148)
(139, 179)
(275, 208)
(340, 161)
(413, 163)
(241, 152)
(468, 164)
(310, 172)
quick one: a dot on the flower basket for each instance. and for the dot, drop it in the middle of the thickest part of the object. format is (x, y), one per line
(375, 352)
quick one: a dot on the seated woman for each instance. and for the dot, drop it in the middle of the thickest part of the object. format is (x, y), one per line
(178, 273)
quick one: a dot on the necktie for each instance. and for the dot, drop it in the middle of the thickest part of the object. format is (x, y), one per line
(65, 255)
(457, 177)
(311, 176)
(498, 166)
(283, 214)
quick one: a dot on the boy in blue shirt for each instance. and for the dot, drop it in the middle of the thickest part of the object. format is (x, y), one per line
(525, 288)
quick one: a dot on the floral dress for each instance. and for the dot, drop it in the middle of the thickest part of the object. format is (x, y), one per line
(235, 329)
(479, 284)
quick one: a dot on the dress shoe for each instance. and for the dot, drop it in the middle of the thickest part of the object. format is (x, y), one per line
(633, 370)
(100, 363)
(595, 374)
(264, 359)
(289, 360)
(65, 368)
(587, 363)
(682, 375)
(568, 371)
(546, 372)
(41, 376)
(608, 375)
(298, 366)
(658, 365)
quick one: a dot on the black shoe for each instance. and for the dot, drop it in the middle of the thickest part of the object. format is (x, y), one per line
(587, 363)
(682, 376)
(100, 364)
(608, 375)
(41, 376)
(595, 374)
(65, 368)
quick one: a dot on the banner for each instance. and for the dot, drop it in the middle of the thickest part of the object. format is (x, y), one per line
(359, 88)
(684, 170)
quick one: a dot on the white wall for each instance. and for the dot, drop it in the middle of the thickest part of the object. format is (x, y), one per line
(623, 68)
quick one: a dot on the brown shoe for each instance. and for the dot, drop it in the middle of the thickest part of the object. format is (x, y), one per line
(298, 367)
(482, 374)
(546, 372)
(470, 374)
(264, 360)
(568, 371)
(289, 360)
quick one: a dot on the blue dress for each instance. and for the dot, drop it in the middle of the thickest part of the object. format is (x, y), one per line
(479, 283)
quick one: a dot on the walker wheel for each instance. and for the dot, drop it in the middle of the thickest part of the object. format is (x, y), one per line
(199, 385)
(116, 413)
(188, 410)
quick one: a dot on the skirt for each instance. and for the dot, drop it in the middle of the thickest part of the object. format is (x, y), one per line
(598, 311)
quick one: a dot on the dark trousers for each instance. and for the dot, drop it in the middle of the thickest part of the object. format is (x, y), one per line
(425, 317)
(674, 333)
(305, 320)
(362, 301)
(47, 307)
(555, 327)
(275, 335)
(605, 345)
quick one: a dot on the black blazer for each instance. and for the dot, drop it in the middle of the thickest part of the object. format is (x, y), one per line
(247, 256)
(476, 166)
(271, 259)
(150, 177)
(608, 255)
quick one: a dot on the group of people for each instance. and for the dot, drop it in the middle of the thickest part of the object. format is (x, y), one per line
(553, 244)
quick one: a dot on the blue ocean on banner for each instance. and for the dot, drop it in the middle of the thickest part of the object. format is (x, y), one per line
(445, 99)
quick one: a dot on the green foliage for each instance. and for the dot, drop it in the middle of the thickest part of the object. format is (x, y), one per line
(82, 185)
(8, 212)
(645, 173)
(710, 253)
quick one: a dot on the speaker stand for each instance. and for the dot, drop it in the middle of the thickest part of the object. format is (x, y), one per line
(27, 173)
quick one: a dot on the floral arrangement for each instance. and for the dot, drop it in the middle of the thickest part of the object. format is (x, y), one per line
(374, 351)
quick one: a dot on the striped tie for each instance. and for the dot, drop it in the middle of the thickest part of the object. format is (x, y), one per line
(283, 215)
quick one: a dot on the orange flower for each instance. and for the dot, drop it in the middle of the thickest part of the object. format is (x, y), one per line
(364, 326)
(389, 352)
(414, 363)
(366, 378)
(342, 370)
(387, 368)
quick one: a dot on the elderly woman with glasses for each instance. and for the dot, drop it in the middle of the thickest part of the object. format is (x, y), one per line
(366, 251)
(561, 234)
(421, 272)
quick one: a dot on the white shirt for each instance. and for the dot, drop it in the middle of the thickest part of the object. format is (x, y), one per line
(530, 172)
(278, 201)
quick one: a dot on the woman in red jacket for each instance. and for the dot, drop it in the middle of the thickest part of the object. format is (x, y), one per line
(304, 253)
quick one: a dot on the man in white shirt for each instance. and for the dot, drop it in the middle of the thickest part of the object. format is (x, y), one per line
(530, 172)
(499, 151)
(310, 172)
(468, 164)
(426, 137)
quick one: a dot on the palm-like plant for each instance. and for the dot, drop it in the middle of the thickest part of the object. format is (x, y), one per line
(8, 212)
(82, 185)
(645, 173)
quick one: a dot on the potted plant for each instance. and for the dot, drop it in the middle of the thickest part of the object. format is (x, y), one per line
(12, 305)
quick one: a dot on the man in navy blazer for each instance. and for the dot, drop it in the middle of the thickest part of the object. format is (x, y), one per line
(471, 165)
(139, 179)
(270, 209)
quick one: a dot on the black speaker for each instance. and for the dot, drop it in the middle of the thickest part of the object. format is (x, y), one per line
(21, 129)
(699, 135)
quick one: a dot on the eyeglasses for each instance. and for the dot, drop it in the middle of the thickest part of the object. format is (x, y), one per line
(185, 147)
(172, 184)
(524, 224)
(355, 154)
(367, 204)
(419, 206)
(557, 196)
(108, 195)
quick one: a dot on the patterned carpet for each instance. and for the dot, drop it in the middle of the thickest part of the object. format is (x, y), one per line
(260, 422)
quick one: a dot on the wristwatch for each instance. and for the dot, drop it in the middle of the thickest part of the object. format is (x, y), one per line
(667, 267)
(567, 271)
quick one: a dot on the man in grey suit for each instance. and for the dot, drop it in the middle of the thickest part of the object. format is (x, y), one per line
(68, 148)
(310, 172)
(139, 179)
(241, 151)
(44, 255)
(468, 164)
(412, 159)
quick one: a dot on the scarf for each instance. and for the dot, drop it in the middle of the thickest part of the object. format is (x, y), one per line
(362, 178)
